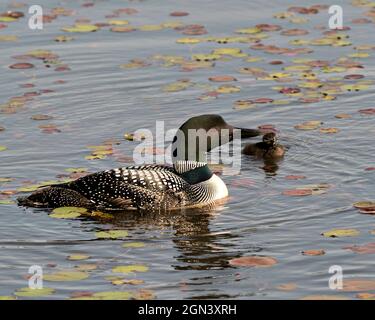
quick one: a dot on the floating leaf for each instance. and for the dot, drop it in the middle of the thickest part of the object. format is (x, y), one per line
(318, 252)
(67, 212)
(366, 296)
(76, 170)
(7, 298)
(28, 292)
(188, 40)
(365, 205)
(363, 249)
(130, 269)
(222, 78)
(63, 39)
(206, 57)
(119, 282)
(144, 294)
(74, 257)
(253, 261)
(134, 245)
(8, 38)
(151, 27)
(297, 192)
(341, 233)
(40, 117)
(7, 202)
(295, 177)
(369, 111)
(81, 28)
(359, 285)
(325, 297)
(86, 267)
(111, 234)
(287, 287)
(7, 19)
(66, 276)
(112, 295)
(22, 65)
(309, 125)
(343, 116)
(118, 22)
(228, 89)
(329, 130)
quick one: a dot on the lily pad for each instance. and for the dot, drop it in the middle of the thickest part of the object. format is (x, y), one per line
(336, 233)
(253, 261)
(111, 234)
(134, 245)
(130, 269)
(67, 275)
(75, 257)
(28, 292)
(67, 212)
(81, 28)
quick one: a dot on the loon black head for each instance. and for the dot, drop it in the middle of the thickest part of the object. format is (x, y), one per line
(202, 134)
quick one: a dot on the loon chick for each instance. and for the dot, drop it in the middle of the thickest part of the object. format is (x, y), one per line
(267, 149)
(188, 183)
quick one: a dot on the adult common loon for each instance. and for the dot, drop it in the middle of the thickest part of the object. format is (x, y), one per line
(188, 183)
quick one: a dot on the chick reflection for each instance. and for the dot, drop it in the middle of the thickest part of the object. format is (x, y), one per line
(269, 150)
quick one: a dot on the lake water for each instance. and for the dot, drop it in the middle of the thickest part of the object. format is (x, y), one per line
(97, 101)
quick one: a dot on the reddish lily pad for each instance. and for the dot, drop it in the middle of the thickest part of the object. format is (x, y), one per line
(294, 32)
(22, 65)
(363, 249)
(222, 78)
(179, 14)
(253, 261)
(295, 177)
(370, 111)
(317, 252)
(41, 117)
(297, 192)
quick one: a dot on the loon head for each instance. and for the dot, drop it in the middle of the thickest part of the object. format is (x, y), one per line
(202, 134)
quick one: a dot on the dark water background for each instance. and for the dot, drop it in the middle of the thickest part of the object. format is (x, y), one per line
(187, 255)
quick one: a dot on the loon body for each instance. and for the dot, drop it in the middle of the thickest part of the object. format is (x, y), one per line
(188, 183)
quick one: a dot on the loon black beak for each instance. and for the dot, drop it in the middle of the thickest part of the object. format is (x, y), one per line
(245, 133)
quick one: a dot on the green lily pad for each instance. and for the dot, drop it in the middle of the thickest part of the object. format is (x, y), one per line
(134, 245)
(81, 28)
(111, 234)
(67, 212)
(130, 269)
(28, 292)
(8, 298)
(66, 276)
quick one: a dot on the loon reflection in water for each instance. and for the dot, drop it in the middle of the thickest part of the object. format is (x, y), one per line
(189, 183)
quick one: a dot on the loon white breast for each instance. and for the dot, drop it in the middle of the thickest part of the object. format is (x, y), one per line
(189, 182)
